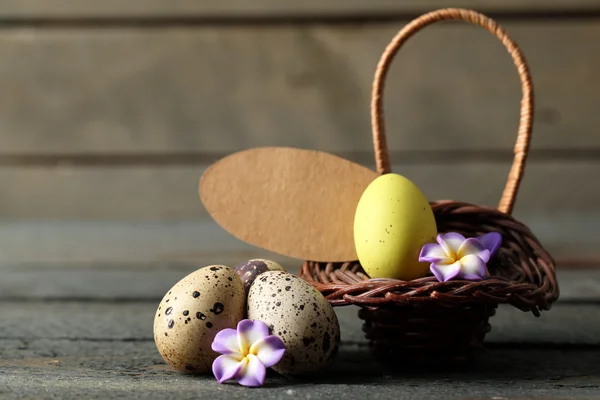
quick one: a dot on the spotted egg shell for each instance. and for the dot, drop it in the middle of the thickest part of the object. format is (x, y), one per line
(299, 314)
(249, 270)
(193, 312)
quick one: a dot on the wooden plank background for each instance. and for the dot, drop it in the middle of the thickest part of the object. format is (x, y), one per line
(221, 89)
(261, 8)
(110, 111)
(170, 192)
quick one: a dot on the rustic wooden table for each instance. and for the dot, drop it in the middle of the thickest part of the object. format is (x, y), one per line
(84, 330)
(110, 112)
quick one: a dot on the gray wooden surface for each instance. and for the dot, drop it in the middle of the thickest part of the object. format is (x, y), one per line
(219, 89)
(171, 192)
(87, 331)
(110, 111)
(117, 120)
(261, 8)
(572, 239)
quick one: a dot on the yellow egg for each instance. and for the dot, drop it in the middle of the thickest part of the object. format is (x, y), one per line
(393, 221)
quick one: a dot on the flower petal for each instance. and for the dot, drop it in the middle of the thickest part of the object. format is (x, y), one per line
(226, 342)
(249, 332)
(252, 372)
(450, 242)
(433, 252)
(268, 350)
(444, 273)
(473, 246)
(473, 268)
(226, 367)
(491, 241)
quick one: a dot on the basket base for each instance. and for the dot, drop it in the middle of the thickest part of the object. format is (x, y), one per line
(426, 335)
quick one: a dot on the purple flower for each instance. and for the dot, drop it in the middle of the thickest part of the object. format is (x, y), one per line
(246, 353)
(454, 256)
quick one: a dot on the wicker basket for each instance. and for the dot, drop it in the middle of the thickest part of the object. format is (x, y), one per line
(424, 321)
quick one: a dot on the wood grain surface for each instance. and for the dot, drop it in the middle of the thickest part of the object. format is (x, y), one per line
(235, 8)
(134, 371)
(171, 192)
(565, 324)
(140, 214)
(111, 282)
(211, 89)
(110, 111)
(571, 239)
(116, 121)
(97, 347)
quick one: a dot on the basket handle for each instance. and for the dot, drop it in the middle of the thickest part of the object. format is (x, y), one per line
(521, 149)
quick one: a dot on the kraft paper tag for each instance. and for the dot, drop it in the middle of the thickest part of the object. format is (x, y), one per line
(294, 202)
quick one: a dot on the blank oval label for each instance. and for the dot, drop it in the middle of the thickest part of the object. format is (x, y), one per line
(294, 202)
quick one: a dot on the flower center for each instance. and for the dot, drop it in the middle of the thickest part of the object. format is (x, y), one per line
(253, 349)
(245, 361)
(245, 352)
(451, 259)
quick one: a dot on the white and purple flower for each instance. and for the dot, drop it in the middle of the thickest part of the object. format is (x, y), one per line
(455, 257)
(246, 353)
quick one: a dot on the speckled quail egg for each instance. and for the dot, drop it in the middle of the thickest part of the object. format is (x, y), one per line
(193, 312)
(299, 314)
(249, 270)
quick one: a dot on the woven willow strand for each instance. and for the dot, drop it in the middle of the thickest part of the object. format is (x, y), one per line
(424, 321)
(525, 124)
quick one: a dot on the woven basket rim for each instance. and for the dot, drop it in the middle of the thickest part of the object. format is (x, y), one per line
(536, 289)
(524, 275)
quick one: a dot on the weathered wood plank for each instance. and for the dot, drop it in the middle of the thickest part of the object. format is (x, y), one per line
(159, 193)
(122, 282)
(223, 89)
(104, 350)
(241, 8)
(556, 201)
(505, 374)
(97, 357)
(108, 350)
(563, 325)
(570, 239)
(547, 374)
(130, 242)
